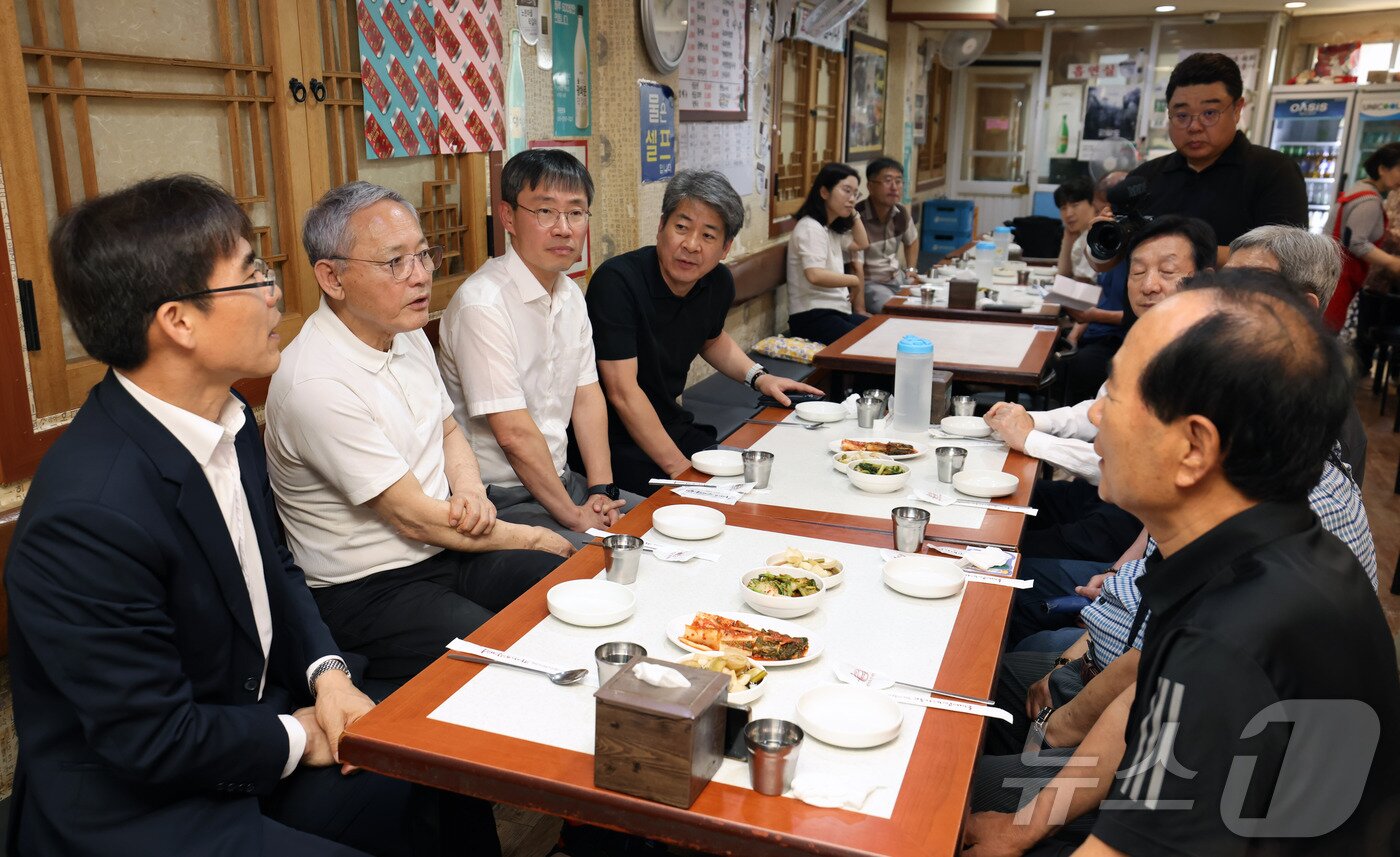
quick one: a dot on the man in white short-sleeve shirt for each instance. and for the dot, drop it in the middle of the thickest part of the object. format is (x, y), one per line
(378, 489)
(517, 358)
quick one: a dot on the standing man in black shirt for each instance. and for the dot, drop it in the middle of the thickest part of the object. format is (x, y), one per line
(653, 311)
(1215, 173)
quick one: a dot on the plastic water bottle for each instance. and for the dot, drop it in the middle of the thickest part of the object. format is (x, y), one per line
(986, 260)
(913, 384)
(1001, 236)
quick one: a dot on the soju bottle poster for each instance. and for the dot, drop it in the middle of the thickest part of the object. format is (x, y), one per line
(573, 110)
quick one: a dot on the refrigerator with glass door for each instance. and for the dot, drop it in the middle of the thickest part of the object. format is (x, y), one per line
(1375, 122)
(1309, 124)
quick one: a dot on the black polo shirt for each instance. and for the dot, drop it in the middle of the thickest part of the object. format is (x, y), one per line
(635, 314)
(1247, 186)
(1266, 607)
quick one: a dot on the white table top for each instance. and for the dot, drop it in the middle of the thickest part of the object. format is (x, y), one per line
(976, 343)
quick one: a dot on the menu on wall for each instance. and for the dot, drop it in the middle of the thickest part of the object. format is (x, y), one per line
(724, 146)
(712, 75)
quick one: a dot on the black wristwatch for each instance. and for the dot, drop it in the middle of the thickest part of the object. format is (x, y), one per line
(1059, 662)
(607, 489)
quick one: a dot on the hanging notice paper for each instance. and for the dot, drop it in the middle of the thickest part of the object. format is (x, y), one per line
(658, 131)
(724, 146)
(573, 109)
(713, 69)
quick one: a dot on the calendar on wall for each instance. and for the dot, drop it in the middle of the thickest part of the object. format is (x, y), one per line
(713, 73)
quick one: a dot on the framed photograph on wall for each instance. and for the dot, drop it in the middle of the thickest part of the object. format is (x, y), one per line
(868, 63)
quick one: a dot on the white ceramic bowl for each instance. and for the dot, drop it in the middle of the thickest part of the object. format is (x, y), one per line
(688, 522)
(590, 603)
(985, 483)
(848, 715)
(782, 606)
(922, 576)
(821, 412)
(879, 484)
(841, 459)
(833, 580)
(718, 462)
(743, 697)
(966, 426)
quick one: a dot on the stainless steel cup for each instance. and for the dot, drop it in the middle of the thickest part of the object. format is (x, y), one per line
(884, 397)
(773, 747)
(758, 466)
(909, 523)
(927, 294)
(624, 555)
(950, 460)
(964, 406)
(612, 657)
(1023, 277)
(868, 410)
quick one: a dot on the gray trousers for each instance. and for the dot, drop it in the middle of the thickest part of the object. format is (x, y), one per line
(518, 506)
(877, 294)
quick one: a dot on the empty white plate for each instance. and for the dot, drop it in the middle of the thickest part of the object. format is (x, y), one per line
(590, 603)
(718, 462)
(985, 483)
(849, 716)
(922, 576)
(966, 426)
(688, 522)
(821, 412)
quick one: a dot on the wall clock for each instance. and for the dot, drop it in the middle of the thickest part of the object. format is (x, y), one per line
(666, 27)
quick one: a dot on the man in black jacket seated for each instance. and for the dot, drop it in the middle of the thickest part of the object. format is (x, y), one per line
(175, 689)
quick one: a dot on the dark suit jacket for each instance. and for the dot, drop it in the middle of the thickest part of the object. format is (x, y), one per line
(133, 651)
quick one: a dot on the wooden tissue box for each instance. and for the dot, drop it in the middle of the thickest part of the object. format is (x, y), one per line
(962, 293)
(659, 743)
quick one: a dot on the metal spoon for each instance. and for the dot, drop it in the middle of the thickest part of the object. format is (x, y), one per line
(566, 677)
(807, 426)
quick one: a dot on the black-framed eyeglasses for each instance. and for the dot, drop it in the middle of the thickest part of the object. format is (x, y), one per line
(547, 217)
(1209, 118)
(266, 280)
(400, 267)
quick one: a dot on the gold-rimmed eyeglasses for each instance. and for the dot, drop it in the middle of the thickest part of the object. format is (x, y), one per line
(400, 267)
(547, 217)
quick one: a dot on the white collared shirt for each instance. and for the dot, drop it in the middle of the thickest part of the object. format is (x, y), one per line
(1064, 437)
(211, 445)
(812, 245)
(344, 422)
(507, 344)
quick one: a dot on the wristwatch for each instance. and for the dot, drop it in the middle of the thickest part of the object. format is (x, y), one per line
(326, 666)
(607, 489)
(755, 372)
(1035, 738)
(1059, 662)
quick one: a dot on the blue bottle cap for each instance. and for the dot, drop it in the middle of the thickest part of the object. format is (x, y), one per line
(986, 245)
(1006, 229)
(911, 344)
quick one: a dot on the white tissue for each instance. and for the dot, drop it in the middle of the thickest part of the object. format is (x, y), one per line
(658, 676)
(987, 558)
(830, 789)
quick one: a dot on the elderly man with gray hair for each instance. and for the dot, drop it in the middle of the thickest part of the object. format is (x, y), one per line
(378, 489)
(1313, 263)
(653, 311)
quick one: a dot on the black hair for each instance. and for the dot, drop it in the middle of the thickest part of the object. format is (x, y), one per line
(543, 168)
(1385, 157)
(1204, 69)
(814, 206)
(115, 257)
(1197, 233)
(1266, 373)
(879, 165)
(1077, 189)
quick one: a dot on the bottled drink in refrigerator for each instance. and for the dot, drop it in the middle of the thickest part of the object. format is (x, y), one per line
(913, 383)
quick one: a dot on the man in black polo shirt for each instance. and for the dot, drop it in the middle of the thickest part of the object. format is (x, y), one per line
(1215, 173)
(653, 310)
(1266, 714)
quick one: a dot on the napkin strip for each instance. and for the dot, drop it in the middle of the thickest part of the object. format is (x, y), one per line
(458, 645)
(905, 698)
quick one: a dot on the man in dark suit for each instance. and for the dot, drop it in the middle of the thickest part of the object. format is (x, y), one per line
(175, 689)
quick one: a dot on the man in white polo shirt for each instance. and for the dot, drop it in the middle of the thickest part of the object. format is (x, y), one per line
(517, 358)
(378, 489)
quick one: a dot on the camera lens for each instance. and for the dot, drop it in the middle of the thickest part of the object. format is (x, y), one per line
(1106, 239)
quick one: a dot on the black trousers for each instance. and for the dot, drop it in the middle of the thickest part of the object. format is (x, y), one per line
(824, 325)
(633, 468)
(1074, 523)
(401, 619)
(1086, 371)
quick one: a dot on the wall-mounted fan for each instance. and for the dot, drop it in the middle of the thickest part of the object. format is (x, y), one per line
(961, 48)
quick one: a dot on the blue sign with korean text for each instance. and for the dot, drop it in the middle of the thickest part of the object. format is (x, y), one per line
(1310, 108)
(658, 105)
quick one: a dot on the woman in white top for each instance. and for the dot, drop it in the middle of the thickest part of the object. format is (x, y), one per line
(821, 295)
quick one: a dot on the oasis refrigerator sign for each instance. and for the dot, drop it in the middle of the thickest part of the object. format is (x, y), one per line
(1311, 108)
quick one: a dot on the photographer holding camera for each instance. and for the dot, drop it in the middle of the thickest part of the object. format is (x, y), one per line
(1215, 174)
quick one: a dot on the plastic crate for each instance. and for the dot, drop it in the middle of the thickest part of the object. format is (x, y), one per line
(948, 216)
(940, 245)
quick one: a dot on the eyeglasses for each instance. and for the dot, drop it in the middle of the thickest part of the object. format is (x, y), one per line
(847, 190)
(266, 280)
(1208, 118)
(547, 217)
(400, 267)
(891, 181)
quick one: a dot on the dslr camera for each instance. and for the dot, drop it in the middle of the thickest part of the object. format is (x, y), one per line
(1107, 239)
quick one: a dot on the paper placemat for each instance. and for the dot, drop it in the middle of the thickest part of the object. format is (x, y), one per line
(913, 636)
(803, 478)
(978, 344)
